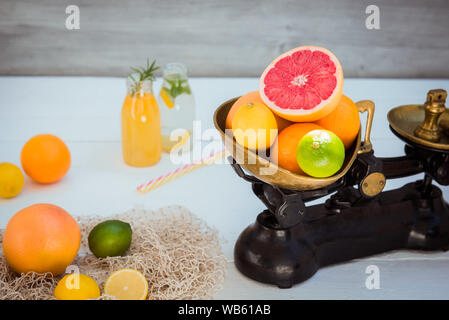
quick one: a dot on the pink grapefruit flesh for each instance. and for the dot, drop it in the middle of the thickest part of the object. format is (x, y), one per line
(303, 84)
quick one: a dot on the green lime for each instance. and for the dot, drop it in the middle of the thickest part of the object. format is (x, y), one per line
(110, 238)
(320, 153)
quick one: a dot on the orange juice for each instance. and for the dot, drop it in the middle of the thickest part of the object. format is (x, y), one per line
(141, 126)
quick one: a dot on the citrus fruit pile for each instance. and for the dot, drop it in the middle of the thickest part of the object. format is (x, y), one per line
(44, 238)
(299, 113)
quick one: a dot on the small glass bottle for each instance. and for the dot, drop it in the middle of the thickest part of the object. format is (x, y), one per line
(177, 107)
(141, 125)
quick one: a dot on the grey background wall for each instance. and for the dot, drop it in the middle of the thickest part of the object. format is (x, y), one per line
(222, 37)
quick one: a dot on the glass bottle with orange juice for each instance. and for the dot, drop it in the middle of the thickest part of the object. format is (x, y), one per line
(141, 120)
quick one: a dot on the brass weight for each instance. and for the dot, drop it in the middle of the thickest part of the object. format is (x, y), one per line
(434, 108)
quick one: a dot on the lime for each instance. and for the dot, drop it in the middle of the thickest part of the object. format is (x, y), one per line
(320, 153)
(76, 287)
(11, 180)
(110, 238)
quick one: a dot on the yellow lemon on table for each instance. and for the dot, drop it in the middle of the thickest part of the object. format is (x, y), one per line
(11, 180)
(127, 284)
(76, 287)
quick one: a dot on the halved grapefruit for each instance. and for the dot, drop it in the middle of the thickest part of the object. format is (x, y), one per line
(303, 84)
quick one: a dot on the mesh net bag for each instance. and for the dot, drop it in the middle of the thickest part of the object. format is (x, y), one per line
(177, 252)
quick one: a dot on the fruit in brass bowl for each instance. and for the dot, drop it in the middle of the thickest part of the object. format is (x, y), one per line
(344, 121)
(303, 84)
(252, 97)
(304, 87)
(76, 287)
(283, 152)
(110, 238)
(254, 126)
(320, 153)
(41, 238)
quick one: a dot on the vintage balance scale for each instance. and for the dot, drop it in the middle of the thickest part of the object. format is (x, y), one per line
(289, 242)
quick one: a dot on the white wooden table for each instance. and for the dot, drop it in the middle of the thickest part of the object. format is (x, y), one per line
(85, 112)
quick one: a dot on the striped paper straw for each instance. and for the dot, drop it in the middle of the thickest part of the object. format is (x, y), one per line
(179, 172)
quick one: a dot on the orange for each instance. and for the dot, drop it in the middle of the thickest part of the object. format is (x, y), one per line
(254, 126)
(45, 158)
(252, 97)
(41, 238)
(283, 151)
(344, 121)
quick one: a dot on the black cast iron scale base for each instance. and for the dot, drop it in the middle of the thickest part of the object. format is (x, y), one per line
(289, 242)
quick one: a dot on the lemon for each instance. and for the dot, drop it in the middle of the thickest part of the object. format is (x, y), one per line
(320, 153)
(11, 180)
(76, 287)
(167, 99)
(127, 284)
(254, 126)
(110, 238)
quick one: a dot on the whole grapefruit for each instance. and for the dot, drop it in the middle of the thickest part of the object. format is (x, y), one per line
(45, 158)
(303, 84)
(41, 238)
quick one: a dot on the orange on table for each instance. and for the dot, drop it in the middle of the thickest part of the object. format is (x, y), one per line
(344, 121)
(45, 158)
(283, 151)
(252, 97)
(127, 284)
(41, 238)
(254, 126)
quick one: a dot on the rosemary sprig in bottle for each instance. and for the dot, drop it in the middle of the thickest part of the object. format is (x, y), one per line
(142, 74)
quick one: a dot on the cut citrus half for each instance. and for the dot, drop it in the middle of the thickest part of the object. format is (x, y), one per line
(303, 84)
(127, 284)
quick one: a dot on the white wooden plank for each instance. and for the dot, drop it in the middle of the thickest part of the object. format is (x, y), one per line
(222, 38)
(100, 183)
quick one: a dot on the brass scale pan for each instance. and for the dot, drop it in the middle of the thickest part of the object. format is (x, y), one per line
(403, 121)
(282, 177)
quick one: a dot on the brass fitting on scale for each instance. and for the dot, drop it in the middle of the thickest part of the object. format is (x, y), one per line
(434, 108)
